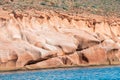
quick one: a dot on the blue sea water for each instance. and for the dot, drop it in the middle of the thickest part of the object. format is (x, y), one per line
(104, 73)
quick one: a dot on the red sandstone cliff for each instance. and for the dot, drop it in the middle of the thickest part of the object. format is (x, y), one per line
(43, 39)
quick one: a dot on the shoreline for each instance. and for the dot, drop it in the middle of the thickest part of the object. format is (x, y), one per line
(62, 67)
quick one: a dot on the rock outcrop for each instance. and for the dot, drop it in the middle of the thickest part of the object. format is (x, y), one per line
(39, 39)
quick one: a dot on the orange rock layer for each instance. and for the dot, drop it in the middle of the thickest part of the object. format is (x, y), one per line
(39, 39)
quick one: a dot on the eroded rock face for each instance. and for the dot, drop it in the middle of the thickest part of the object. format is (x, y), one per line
(35, 39)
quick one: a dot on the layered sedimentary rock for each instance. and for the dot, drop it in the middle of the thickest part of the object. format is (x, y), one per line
(44, 39)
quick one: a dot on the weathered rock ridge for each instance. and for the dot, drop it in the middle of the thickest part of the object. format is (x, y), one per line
(38, 39)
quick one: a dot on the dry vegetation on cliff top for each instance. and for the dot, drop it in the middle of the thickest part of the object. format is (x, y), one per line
(99, 7)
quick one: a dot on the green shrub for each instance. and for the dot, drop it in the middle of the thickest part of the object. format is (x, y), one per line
(42, 3)
(76, 5)
(65, 7)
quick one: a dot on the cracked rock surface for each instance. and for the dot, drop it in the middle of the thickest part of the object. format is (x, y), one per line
(44, 39)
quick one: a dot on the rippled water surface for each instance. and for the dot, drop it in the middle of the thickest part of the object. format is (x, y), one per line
(106, 73)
